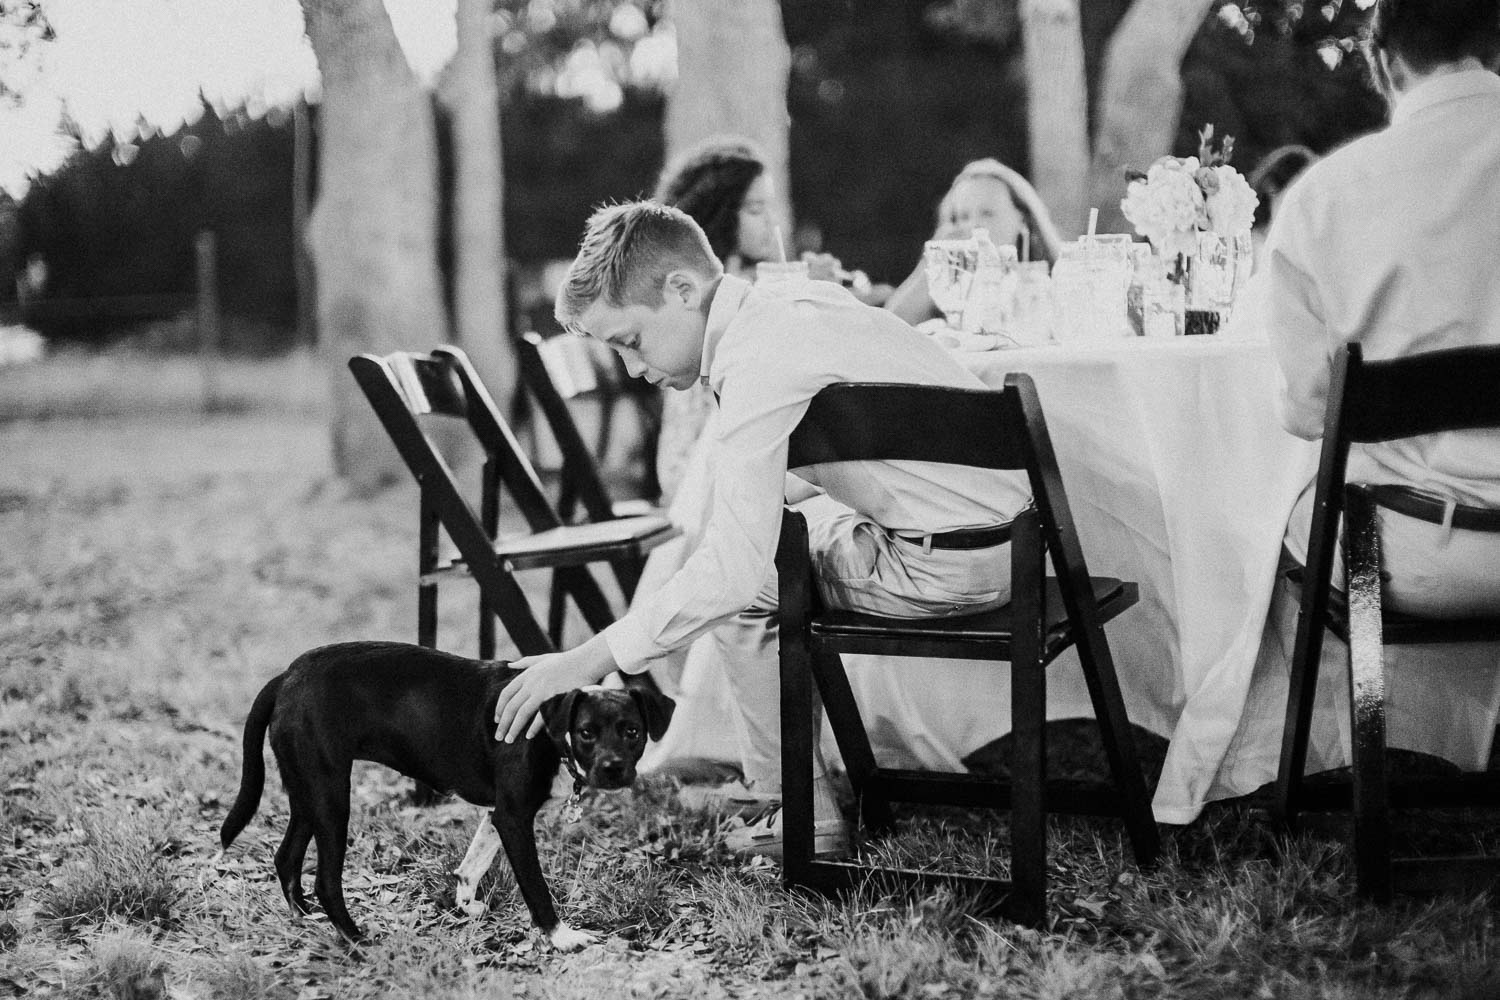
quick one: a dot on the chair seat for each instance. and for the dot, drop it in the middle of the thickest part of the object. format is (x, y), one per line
(1399, 629)
(987, 631)
(573, 545)
(635, 507)
(577, 544)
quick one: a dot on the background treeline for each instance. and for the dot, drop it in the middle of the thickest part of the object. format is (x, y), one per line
(887, 101)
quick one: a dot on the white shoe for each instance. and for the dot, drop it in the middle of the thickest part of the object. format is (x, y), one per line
(765, 838)
(733, 798)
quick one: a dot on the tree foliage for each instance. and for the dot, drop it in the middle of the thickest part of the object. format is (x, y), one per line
(23, 26)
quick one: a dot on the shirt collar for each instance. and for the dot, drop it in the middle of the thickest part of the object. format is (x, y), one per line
(727, 300)
(1441, 89)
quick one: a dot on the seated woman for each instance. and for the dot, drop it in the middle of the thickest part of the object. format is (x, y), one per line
(986, 194)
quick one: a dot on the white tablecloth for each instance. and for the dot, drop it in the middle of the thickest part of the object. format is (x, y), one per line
(1181, 479)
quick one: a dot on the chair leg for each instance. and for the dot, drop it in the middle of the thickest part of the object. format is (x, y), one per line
(427, 615)
(797, 740)
(486, 630)
(853, 739)
(628, 575)
(1372, 814)
(1028, 779)
(1302, 687)
(427, 556)
(580, 585)
(1119, 748)
(1028, 712)
(556, 609)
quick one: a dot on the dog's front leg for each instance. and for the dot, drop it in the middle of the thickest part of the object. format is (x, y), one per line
(471, 869)
(518, 834)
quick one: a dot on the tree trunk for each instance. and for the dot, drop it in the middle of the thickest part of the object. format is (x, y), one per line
(732, 68)
(1057, 109)
(373, 232)
(472, 96)
(1140, 97)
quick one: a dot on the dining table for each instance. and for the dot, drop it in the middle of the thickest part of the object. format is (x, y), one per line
(1180, 478)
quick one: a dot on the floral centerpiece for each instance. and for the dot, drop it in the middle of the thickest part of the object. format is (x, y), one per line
(1196, 211)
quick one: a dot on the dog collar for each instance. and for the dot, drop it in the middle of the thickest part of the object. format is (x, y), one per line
(579, 781)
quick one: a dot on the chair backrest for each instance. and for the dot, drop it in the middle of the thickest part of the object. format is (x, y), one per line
(865, 421)
(1448, 390)
(403, 387)
(981, 428)
(580, 471)
(1371, 401)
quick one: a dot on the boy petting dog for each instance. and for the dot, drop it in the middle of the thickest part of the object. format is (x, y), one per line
(910, 540)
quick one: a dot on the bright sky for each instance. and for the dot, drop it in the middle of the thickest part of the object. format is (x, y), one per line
(116, 63)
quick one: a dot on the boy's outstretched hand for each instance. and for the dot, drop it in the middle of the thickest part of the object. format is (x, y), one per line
(544, 676)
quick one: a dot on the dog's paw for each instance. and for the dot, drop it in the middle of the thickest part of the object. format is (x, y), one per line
(471, 907)
(565, 938)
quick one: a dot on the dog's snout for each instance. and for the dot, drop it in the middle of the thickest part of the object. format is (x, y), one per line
(613, 771)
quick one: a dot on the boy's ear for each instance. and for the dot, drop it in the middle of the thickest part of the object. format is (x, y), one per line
(685, 287)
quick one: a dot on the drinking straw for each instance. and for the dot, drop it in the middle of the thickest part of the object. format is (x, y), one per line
(1093, 220)
(780, 243)
(1025, 245)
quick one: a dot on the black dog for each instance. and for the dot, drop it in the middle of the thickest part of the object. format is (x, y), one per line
(429, 715)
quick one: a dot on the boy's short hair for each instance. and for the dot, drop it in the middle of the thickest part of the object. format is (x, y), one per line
(1429, 33)
(625, 256)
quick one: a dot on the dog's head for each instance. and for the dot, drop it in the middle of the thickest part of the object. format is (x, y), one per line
(605, 730)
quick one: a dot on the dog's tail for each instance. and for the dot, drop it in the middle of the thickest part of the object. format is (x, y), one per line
(253, 775)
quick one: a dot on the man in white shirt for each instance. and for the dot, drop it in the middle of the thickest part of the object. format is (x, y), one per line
(1392, 242)
(912, 540)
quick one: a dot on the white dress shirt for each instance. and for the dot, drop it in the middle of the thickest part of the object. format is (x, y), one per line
(1393, 241)
(767, 352)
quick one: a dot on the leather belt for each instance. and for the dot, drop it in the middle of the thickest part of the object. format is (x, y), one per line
(967, 538)
(1425, 507)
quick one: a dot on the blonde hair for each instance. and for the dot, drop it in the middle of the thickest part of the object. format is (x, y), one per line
(625, 256)
(1044, 235)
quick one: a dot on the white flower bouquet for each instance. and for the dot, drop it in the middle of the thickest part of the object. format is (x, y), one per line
(1179, 197)
(1197, 212)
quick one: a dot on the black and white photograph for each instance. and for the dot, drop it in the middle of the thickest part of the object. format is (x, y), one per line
(802, 499)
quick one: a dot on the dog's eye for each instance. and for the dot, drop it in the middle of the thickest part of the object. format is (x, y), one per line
(586, 733)
(632, 733)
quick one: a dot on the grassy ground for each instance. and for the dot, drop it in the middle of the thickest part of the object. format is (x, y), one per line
(156, 565)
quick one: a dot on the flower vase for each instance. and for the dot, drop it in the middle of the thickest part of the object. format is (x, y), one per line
(1212, 277)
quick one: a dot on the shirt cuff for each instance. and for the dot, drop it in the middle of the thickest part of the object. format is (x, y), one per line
(631, 646)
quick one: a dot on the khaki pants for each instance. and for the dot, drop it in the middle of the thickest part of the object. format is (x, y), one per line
(859, 568)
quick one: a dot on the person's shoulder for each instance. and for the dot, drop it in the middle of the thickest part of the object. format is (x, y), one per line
(1342, 174)
(1342, 164)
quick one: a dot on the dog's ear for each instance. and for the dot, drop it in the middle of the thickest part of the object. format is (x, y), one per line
(557, 716)
(656, 709)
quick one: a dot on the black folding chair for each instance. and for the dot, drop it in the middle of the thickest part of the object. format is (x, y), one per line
(406, 389)
(1371, 401)
(581, 479)
(1001, 430)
